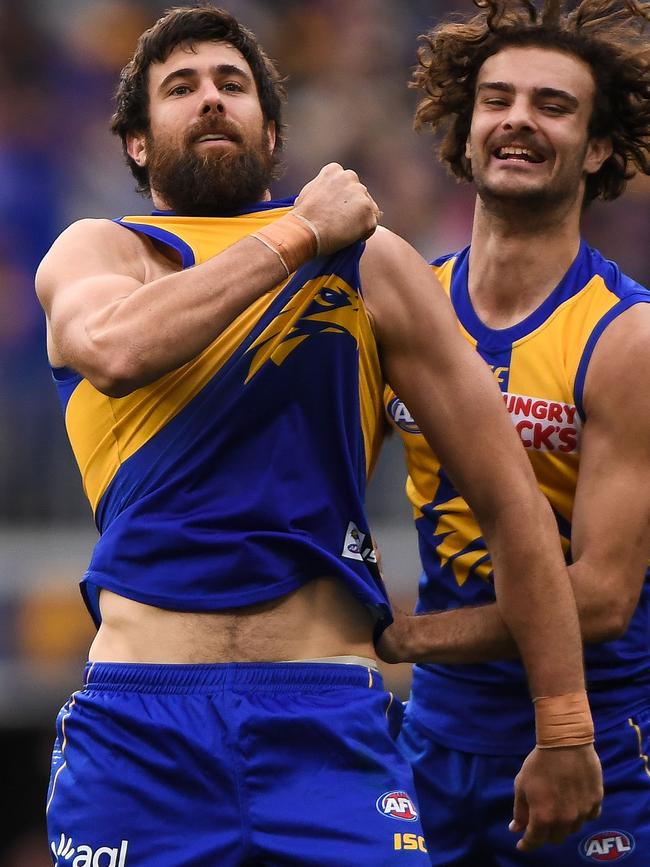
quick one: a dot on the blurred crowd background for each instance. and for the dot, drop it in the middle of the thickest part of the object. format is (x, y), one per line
(347, 63)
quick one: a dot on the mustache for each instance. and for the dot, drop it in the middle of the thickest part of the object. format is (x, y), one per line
(213, 126)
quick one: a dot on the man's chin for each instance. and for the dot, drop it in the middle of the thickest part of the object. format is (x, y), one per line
(518, 195)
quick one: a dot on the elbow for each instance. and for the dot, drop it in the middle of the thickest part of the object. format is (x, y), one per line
(115, 375)
(609, 622)
(113, 388)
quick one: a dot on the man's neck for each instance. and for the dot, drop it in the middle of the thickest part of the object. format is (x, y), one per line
(517, 259)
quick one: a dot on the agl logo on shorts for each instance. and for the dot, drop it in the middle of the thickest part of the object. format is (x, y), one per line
(85, 856)
(397, 805)
(607, 846)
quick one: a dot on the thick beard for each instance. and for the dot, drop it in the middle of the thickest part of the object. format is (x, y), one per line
(205, 185)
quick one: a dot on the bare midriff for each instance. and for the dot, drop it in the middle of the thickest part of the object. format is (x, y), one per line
(321, 619)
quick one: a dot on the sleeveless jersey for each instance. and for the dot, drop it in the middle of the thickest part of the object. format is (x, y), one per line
(241, 475)
(540, 364)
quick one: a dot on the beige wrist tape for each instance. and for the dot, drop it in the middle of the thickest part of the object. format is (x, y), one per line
(563, 720)
(294, 240)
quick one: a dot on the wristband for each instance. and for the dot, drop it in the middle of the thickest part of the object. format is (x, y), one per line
(294, 240)
(563, 720)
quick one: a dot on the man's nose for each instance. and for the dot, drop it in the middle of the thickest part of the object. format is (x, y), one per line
(211, 101)
(520, 116)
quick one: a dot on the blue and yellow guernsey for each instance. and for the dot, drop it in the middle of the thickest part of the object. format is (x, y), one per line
(240, 476)
(540, 364)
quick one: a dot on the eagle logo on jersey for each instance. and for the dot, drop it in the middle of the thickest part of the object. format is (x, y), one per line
(323, 305)
(457, 537)
(457, 540)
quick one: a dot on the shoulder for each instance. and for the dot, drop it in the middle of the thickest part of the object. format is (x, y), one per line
(88, 246)
(89, 232)
(387, 264)
(621, 358)
(628, 333)
(615, 280)
(87, 236)
(385, 248)
(401, 292)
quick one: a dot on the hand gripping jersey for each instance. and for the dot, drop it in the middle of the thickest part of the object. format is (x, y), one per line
(540, 364)
(239, 476)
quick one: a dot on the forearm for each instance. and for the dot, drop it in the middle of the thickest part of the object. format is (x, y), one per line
(535, 597)
(455, 637)
(479, 634)
(121, 328)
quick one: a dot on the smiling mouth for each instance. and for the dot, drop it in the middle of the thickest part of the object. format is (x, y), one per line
(519, 154)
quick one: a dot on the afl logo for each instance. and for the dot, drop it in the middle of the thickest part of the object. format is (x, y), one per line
(397, 805)
(402, 417)
(607, 846)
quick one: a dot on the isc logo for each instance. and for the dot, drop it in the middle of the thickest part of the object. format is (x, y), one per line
(397, 805)
(409, 842)
(607, 846)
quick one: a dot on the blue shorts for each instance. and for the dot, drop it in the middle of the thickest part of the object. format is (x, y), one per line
(229, 765)
(466, 803)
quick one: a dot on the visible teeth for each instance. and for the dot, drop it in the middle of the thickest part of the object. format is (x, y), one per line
(513, 151)
(213, 137)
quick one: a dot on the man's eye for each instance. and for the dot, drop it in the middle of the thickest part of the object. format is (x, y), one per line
(233, 85)
(179, 90)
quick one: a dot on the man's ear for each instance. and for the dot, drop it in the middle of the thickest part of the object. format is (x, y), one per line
(270, 135)
(598, 150)
(468, 149)
(136, 147)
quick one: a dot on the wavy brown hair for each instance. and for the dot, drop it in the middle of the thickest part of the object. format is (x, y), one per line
(611, 36)
(186, 26)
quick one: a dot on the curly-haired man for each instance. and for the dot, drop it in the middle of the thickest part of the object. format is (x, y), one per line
(544, 112)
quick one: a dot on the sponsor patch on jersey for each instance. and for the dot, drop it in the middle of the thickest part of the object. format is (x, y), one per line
(544, 425)
(607, 846)
(86, 856)
(402, 417)
(358, 545)
(397, 805)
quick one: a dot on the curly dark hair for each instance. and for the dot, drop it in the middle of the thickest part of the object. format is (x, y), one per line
(611, 36)
(186, 26)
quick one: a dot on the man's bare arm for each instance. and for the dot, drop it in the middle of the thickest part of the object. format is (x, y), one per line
(121, 328)
(457, 405)
(453, 397)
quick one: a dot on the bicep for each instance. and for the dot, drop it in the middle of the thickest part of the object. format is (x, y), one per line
(81, 277)
(448, 388)
(611, 516)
